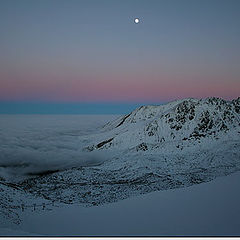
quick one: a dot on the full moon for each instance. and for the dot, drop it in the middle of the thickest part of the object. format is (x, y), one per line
(136, 20)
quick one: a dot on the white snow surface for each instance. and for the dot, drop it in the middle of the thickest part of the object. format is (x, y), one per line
(208, 209)
(48, 162)
(166, 126)
(174, 137)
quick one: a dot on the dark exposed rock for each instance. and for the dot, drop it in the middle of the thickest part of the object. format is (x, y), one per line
(142, 147)
(123, 120)
(101, 144)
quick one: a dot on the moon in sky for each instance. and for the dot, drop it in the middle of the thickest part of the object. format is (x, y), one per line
(136, 20)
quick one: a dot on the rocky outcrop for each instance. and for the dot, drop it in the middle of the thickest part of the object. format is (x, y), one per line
(184, 120)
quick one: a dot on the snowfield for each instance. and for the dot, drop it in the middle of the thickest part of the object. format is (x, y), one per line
(208, 209)
(47, 163)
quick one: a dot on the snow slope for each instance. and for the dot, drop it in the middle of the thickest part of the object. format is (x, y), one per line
(179, 123)
(208, 209)
(177, 145)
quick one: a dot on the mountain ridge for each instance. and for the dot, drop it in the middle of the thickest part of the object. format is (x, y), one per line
(181, 120)
(153, 148)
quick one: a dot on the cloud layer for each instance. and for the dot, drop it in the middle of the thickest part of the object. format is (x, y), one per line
(33, 145)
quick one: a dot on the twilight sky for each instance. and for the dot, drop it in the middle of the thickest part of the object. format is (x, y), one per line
(92, 51)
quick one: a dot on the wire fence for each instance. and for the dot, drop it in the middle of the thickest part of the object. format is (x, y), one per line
(33, 206)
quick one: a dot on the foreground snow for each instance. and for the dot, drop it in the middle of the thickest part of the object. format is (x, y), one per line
(14, 232)
(205, 209)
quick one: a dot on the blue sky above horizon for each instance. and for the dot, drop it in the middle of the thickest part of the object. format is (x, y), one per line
(90, 53)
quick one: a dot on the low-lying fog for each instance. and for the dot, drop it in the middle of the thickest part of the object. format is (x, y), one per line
(37, 144)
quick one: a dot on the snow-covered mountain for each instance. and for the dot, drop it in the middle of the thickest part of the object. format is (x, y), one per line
(176, 124)
(153, 148)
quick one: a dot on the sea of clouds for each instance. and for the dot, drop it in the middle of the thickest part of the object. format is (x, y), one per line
(37, 144)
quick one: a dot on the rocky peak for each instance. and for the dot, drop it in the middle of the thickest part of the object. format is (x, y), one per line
(188, 119)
